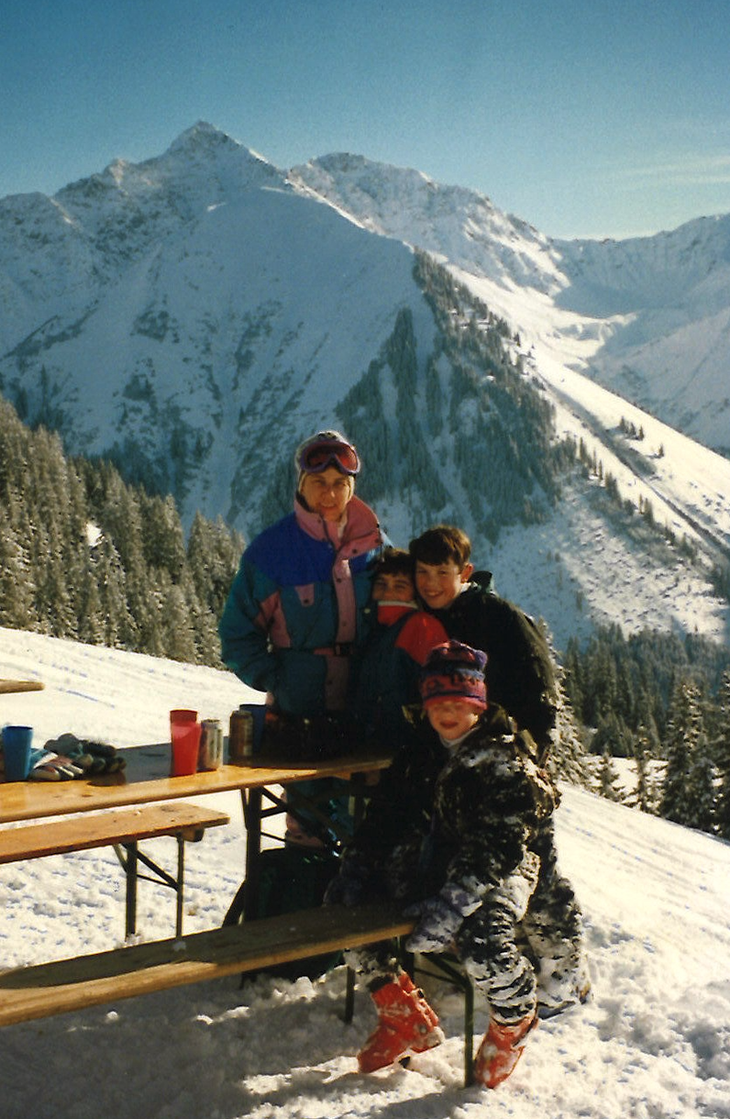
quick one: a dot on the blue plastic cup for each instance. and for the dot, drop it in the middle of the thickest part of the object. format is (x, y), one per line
(17, 743)
(258, 711)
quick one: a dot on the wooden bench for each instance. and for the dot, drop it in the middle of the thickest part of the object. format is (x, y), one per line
(45, 990)
(123, 829)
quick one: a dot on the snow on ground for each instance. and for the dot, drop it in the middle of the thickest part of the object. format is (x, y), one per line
(687, 483)
(577, 574)
(654, 1042)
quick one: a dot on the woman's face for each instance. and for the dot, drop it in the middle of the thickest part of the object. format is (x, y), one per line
(328, 492)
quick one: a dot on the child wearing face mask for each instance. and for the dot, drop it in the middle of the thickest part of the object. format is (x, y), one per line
(388, 668)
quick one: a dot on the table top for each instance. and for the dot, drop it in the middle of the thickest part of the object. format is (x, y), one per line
(7, 686)
(146, 778)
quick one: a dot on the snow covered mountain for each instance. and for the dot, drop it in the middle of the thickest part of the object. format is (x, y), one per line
(195, 315)
(647, 317)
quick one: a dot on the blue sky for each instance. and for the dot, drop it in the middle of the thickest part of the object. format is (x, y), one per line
(584, 117)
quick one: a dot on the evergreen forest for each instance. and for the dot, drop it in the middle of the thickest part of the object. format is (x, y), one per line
(84, 555)
(662, 701)
(467, 402)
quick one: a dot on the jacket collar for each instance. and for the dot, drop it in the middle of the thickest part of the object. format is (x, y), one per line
(359, 533)
(388, 613)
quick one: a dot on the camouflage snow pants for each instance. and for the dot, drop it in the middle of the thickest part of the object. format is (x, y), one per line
(522, 948)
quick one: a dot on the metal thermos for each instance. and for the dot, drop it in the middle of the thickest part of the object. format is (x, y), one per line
(210, 754)
(240, 736)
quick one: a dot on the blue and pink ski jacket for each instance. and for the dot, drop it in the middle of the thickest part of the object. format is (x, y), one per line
(295, 611)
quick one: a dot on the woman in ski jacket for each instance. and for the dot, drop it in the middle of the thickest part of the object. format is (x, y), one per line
(295, 610)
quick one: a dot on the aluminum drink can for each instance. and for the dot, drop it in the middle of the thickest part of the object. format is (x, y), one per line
(240, 736)
(210, 755)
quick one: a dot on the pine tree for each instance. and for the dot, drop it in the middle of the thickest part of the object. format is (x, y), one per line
(53, 603)
(153, 634)
(119, 629)
(608, 783)
(163, 540)
(177, 633)
(701, 795)
(115, 508)
(213, 554)
(646, 794)
(611, 735)
(205, 634)
(567, 756)
(91, 628)
(721, 752)
(684, 732)
(17, 589)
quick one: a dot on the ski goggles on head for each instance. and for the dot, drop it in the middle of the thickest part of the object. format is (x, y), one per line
(317, 456)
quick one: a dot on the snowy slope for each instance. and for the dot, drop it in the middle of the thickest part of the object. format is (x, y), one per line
(650, 315)
(653, 1043)
(688, 487)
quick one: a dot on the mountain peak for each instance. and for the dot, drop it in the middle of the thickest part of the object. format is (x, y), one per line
(368, 175)
(214, 152)
(203, 135)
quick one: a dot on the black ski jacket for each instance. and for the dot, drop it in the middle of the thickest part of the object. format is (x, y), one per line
(465, 816)
(520, 674)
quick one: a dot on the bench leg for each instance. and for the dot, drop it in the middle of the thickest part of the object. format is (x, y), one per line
(130, 865)
(130, 869)
(252, 816)
(180, 884)
(462, 981)
(350, 995)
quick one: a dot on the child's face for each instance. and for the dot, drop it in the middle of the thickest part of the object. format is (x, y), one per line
(394, 586)
(438, 584)
(452, 718)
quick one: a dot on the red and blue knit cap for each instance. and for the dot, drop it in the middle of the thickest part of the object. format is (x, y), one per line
(454, 671)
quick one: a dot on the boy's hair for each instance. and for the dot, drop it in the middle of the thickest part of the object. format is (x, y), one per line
(394, 561)
(441, 544)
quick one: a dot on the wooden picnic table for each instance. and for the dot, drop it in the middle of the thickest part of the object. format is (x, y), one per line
(53, 988)
(146, 779)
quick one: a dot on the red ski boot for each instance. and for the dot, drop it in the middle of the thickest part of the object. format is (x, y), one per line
(500, 1050)
(407, 1022)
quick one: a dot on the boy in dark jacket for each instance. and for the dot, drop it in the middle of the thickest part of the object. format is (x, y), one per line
(461, 826)
(520, 671)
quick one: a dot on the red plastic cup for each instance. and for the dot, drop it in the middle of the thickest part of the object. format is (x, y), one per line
(183, 715)
(185, 746)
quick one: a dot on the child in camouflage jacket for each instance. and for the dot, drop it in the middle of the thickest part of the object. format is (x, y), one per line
(460, 830)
